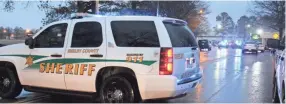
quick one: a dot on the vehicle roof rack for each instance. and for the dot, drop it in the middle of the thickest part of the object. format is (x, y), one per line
(82, 15)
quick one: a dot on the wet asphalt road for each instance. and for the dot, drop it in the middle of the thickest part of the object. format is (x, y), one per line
(229, 77)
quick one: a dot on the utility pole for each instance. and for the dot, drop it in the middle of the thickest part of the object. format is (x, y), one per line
(96, 6)
(158, 8)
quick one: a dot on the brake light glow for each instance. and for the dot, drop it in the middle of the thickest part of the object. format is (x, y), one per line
(170, 53)
(166, 61)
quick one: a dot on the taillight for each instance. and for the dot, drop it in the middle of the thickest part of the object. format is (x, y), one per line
(166, 61)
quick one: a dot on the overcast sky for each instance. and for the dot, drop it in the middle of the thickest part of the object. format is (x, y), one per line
(31, 17)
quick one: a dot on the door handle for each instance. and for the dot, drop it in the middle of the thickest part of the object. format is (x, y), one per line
(56, 55)
(96, 55)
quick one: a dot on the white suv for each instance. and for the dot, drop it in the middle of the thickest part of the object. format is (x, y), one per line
(250, 47)
(118, 58)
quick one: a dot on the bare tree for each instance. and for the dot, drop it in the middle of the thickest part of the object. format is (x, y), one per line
(270, 14)
(226, 23)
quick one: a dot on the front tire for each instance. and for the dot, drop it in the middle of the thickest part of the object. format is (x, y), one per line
(117, 89)
(10, 86)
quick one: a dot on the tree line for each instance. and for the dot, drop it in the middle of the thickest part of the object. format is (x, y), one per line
(191, 11)
(266, 15)
(15, 33)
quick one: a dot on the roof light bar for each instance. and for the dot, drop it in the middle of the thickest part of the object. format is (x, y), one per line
(74, 15)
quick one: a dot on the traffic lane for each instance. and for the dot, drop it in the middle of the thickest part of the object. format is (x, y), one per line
(235, 79)
(214, 54)
(252, 85)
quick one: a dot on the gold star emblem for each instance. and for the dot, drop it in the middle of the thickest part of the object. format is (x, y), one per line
(29, 60)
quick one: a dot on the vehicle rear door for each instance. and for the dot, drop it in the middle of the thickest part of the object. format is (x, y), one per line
(133, 42)
(85, 53)
(185, 49)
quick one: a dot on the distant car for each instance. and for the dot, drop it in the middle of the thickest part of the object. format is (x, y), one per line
(231, 44)
(261, 47)
(235, 44)
(204, 45)
(250, 47)
(223, 44)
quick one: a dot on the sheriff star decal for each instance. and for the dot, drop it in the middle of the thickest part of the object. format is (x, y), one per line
(29, 60)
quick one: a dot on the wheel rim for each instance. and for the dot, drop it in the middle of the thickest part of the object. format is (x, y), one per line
(116, 92)
(5, 82)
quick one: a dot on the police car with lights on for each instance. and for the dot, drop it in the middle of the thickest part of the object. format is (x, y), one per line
(116, 58)
(223, 44)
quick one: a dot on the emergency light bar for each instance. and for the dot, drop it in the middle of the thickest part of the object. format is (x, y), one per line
(81, 15)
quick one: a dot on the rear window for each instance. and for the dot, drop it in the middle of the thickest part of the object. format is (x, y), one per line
(205, 41)
(180, 35)
(135, 34)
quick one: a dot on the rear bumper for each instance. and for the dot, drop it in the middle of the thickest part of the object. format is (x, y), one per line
(250, 50)
(161, 87)
(262, 48)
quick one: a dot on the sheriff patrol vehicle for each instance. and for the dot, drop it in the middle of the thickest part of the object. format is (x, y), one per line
(117, 58)
(279, 77)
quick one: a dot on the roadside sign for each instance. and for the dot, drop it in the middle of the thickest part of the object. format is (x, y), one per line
(255, 36)
(276, 36)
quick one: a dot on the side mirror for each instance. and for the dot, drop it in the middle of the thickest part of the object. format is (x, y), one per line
(30, 42)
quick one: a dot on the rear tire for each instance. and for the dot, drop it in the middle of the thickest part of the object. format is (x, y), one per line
(117, 89)
(10, 86)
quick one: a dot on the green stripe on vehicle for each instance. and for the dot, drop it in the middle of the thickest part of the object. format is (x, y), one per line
(76, 60)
